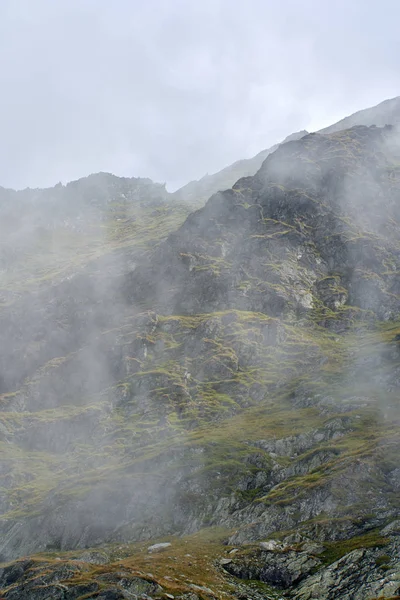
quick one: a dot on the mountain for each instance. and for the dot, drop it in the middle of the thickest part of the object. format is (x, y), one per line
(385, 113)
(198, 192)
(48, 234)
(225, 385)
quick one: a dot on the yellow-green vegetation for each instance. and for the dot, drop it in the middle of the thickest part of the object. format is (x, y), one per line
(279, 411)
(335, 550)
(191, 560)
(56, 254)
(213, 405)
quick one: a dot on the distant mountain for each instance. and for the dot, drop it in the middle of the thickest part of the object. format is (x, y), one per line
(197, 192)
(385, 113)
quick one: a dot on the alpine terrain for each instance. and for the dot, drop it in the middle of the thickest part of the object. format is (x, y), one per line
(199, 391)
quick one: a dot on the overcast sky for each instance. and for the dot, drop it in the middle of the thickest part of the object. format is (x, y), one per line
(172, 89)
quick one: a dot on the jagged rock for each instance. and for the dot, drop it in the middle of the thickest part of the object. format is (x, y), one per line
(356, 576)
(312, 548)
(278, 568)
(392, 529)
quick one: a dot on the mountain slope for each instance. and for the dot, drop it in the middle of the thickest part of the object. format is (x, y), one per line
(236, 385)
(322, 210)
(48, 234)
(198, 192)
(385, 113)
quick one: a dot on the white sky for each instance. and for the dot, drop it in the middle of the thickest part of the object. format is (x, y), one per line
(172, 89)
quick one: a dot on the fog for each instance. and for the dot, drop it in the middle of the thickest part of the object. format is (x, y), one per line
(157, 361)
(126, 359)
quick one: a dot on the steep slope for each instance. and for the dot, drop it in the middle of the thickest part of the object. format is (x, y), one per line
(243, 374)
(385, 113)
(319, 219)
(48, 234)
(63, 251)
(198, 192)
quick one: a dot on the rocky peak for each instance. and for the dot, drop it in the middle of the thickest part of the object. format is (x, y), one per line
(85, 198)
(223, 389)
(321, 206)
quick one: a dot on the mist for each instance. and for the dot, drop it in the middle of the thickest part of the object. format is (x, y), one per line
(220, 356)
(131, 340)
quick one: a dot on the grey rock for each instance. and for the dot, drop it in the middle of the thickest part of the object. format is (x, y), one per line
(356, 576)
(202, 588)
(312, 548)
(159, 547)
(392, 529)
(277, 568)
(271, 546)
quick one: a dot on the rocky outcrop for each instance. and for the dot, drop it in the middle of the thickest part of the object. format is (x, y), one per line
(360, 575)
(302, 210)
(304, 570)
(243, 374)
(26, 581)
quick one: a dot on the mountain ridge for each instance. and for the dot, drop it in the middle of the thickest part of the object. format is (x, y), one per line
(226, 384)
(386, 112)
(197, 191)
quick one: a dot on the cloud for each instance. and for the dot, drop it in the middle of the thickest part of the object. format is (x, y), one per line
(173, 89)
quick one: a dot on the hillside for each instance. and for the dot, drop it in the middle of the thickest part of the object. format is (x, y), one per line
(385, 113)
(198, 192)
(47, 234)
(225, 383)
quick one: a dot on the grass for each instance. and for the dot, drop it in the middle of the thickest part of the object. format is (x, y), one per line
(214, 411)
(192, 560)
(335, 550)
(64, 252)
(246, 370)
(211, 387)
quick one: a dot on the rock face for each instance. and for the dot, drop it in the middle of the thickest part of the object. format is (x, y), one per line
(237, 372)
(325, 212)
(360, 574)
(59, 583)
(303, 574)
